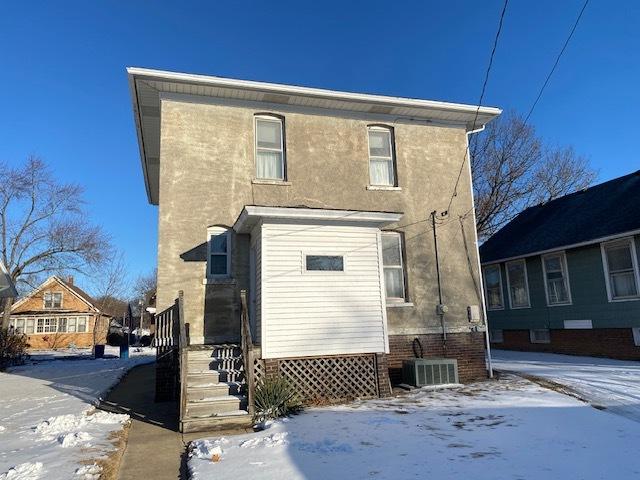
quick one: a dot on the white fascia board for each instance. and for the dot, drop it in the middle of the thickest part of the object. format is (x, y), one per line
(594, 241)
(252, 213)
(310, 92)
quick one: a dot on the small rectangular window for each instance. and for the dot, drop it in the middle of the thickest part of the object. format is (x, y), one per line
(636, 336)
(82, 324)
(392, 260)
(270, 161)
(381, 157)
(18, 325)
(324, 263)
(219, 252)
(62, 324)
(621, 269)
(517, 284)
(53, 300)
(30, 326)
(40, 327)
(556, 279)
(71, 325)
(496, 336)
(50, 325)
(493, 287)
(540, 335)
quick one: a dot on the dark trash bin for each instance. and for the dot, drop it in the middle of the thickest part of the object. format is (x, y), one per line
(98, 351)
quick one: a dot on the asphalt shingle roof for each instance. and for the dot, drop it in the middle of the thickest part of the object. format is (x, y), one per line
(609, 208)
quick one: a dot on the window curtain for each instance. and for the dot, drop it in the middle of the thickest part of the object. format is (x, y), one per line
(269, 164)
(381, 172)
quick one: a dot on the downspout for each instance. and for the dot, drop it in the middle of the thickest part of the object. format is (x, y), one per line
(440, 309)
(481, 279)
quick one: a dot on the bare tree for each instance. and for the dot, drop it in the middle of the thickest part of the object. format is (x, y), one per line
(43, 228)
(513, 170)
(144, 287)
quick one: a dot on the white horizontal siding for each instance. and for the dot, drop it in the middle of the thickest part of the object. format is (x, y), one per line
(321, 313)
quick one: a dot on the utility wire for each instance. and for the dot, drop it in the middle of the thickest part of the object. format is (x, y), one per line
(482, 92)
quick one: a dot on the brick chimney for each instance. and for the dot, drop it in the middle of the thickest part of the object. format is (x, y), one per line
(70, 280)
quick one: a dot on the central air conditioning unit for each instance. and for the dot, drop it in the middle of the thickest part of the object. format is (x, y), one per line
(420, 372)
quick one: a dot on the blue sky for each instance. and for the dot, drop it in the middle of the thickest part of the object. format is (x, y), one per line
(64, 92)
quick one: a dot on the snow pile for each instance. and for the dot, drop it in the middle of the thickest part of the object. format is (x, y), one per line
(273, 440)
(74, 439)
(89, 472)
(24, 471)
(47, 415)
(494, 430)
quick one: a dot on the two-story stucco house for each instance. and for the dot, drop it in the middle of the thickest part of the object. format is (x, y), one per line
(563, 276)
(317, 203)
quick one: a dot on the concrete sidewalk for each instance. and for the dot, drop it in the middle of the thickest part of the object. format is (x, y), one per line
(155, 448)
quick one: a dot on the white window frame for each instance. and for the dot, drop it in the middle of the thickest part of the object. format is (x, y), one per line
(533, 340)
(84, 322)
(51, 296)
(565, 278)
(392, 158)
(281, 150)
(324, 272)
(486, 293)
(634, 262)
(215, 231)
(495, 337)
(526, 284)
(401, 267)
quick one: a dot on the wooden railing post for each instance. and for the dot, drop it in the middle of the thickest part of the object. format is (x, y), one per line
(247, 350)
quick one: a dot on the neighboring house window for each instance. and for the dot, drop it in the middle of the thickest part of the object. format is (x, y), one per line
(82, 324)
(71, 325)
(30, 326)
(621, 269)
(556, 279)
(219, 252)
(17, 324)
(636, 336)
(326, 263)
(496, 336)
(493, 287)
(50, 325)
(270, 158)
(62, 324)
(517, 283)
(381, 157)
(53, 300)
(392, 259)
(540, 335)
(40, 327)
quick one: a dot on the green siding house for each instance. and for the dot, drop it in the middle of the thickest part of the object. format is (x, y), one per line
(564, 276)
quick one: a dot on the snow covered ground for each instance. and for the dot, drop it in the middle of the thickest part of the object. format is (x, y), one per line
(507, 429)
(603, 382)
(48, 426)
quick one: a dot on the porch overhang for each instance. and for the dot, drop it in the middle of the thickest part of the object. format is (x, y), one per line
(252, 214)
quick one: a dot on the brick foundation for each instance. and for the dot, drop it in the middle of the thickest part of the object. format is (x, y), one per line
(384, 382)
(467, 348)
(599, 342)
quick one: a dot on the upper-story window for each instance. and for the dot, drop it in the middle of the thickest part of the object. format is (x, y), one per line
(493, 287)
(218, 252)
(270, 154)
(556, 279)
(621, 269)
(518, 284)
(392, 260)
(53, 300)
(382, 168)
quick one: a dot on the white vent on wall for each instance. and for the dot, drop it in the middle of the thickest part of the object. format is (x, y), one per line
(473, 313)
(578, 324)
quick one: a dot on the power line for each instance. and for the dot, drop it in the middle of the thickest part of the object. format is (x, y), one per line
(482, 92)
(555, 64)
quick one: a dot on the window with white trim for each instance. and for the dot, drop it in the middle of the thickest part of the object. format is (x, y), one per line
(621, 269)
(381, 157)
(493, 287)
(540, 335)
(517, 284)
(392, 260)
(496, 336)
(270, 155)
(82, 324)
(53, 300)
(30, 326)
(554, 266)
(218, 252)
(636, 336)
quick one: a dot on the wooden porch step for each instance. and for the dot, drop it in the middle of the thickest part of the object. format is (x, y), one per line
(203, 391)
(215, 363)
(236, 421)
(214, 406)
(218, 351)
(196, 377)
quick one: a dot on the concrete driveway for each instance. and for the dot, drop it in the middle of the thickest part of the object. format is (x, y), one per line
(613, 385)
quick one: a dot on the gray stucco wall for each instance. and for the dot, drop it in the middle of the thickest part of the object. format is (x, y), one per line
(206, 172)
(588, 292)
